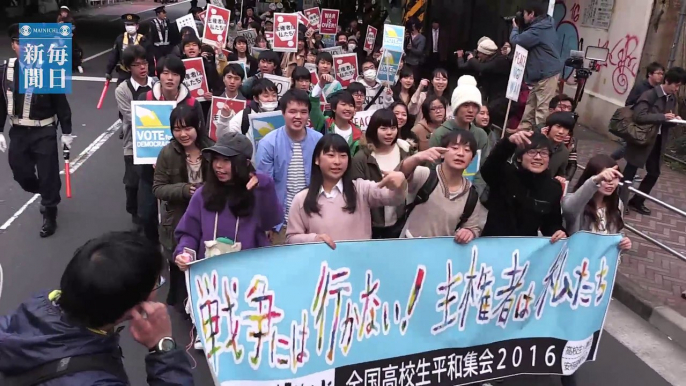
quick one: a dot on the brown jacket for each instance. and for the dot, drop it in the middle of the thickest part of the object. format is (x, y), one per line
(423, 132)
(170, 185)
(651, 109)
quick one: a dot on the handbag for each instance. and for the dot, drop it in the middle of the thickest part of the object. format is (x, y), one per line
(217, 247)
(623, 126)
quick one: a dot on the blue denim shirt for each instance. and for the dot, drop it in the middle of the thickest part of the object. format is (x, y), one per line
(274, 155)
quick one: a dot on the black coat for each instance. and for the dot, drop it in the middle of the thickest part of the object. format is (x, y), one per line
(650, 109)
(519, 202)
(252, 62)
(493, 75)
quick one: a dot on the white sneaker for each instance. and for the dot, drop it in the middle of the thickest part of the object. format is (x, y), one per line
(80, 70)
(197, 344)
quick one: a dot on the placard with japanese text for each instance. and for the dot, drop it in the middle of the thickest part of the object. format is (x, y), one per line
(44, 61)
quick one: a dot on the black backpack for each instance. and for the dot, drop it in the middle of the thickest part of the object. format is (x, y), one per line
(110, 363)
(428, 188)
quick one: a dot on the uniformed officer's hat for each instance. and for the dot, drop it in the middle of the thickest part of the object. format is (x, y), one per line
(13, 32)
(160, 9)
(130, 18)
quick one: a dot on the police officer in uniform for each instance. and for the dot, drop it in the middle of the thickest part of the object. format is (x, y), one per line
(159, 34)
(33, 140)
(130, 37)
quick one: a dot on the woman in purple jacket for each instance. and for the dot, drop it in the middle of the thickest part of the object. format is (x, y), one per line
(235, 207)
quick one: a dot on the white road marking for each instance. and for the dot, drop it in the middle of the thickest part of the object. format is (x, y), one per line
(96, 55)
(75, 164)
(650, 345)
(0, 281)
(92, 78)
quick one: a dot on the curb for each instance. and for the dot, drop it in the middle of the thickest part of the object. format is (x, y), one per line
(662, 317)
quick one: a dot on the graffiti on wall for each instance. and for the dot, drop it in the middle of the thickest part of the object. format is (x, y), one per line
(623, 60)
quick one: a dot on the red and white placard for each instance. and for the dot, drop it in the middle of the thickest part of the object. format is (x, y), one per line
(302, 19)
(269, 35)
(370, 39)
(217, 106)
(313, 15)
(217, 25)
(196, 79)
(329, 21)
(345, 68)
(203, 16)
(286, 32)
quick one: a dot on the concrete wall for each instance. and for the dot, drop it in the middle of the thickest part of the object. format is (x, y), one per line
(605, 90)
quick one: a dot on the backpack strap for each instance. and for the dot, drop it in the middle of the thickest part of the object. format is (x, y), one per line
(424, 192)
(469, 207)
(245, 123)
(378, 93)
(109, 362)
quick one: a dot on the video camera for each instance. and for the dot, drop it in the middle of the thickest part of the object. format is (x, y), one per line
(594, 55)
(518, 18)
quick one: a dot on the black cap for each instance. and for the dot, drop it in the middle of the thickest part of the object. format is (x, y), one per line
(160, 9)
(130, 18)
(13, 32)
(562, 118)
(231, 144)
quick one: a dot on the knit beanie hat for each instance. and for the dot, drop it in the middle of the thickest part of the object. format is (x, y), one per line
(465, 92)
(487, 47)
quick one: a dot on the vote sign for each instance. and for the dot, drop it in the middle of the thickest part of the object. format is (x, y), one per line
(218, 104)
(217, 25)
(313, 15)
(345, 67)
(286, 31)
(393, 37)
(514, 84)
(151, 129)
(282, 83)
(329, 21)
(370, 39)
(196, 79)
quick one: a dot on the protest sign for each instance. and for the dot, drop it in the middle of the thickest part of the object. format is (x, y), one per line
(216, 108)
(329, 21)
(150, 128)
(262, 124)
(335, 50)
(473, 167)
(393, 37)
(249, 34)
(269, 35)
(329, 40)
(226, 54)
(203, 16)
(370, 39)
(255, 51)
(388, 65)
(459, 314)
(217, 3)
(361, 118)
(217, 25)
(514, 84)
(286, 31)
(302, 19)
(187, 21)
(282, 83)
(345, 68)
(313, 15)
(242, 64)
(196, 79)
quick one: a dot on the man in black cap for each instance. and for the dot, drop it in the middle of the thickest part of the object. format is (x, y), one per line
(130, 37)
(159, 34)
(33, 144)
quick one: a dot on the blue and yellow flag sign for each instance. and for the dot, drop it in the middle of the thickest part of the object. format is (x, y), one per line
(403, 312)
(151, 129)
(45, 58)
(393, 37)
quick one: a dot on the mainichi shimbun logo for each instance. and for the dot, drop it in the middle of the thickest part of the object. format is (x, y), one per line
(25, 30)
(65, 30)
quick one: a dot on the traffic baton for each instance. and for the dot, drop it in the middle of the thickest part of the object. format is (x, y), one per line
(104, 92)
(67, 172)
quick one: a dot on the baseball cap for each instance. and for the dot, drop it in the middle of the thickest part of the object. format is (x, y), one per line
(231, 144)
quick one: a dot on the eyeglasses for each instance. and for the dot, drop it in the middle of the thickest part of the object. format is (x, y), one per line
(160, 283)
(544, 153)
(437, 108)
(139, 65)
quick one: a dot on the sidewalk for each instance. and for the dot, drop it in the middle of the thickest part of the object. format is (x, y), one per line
(650, 280)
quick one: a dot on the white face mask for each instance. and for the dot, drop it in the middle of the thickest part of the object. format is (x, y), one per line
(269, 106)
(351, 47)
(369, 75)
(131, 29)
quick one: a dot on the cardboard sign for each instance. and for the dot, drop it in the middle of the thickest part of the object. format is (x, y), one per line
(314, 78)
(286, 31)
(388, 66)
(264, 123)
(370, 39)
(151, 129)
(303, 20)
(217, 25)
(361, 119)
(282, 83)
(329, 40)
(203, 16)
(345, 68)
(269, 35)
(256, 51)
(329, 21)
(514, 84)
(218, 104)
(196, 79)
(217, 3)
(313, 15)
(393, 37)
(249, 34)
(337, 50)
(187, 21)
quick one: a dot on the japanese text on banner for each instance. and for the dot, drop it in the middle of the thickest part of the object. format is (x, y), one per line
(45, 63)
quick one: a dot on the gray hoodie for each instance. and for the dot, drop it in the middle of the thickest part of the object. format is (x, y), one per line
(384, 100)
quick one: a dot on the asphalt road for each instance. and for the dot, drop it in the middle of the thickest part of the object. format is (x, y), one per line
(631, 351)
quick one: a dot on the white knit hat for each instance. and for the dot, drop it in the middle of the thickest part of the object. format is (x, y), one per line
(465, 92)
(487, 47)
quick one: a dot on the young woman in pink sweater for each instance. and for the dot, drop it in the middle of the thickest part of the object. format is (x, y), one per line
(334, 207)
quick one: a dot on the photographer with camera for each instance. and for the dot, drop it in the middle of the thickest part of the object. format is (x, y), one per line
(492, 68)
(535, 31)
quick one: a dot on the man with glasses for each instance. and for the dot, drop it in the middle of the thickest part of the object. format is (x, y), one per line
(134, 58)
(70, 336)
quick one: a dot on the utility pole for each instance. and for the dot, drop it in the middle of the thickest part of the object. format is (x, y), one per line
(677, 35)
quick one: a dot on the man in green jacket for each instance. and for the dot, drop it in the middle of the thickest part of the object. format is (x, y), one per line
(466, 102)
